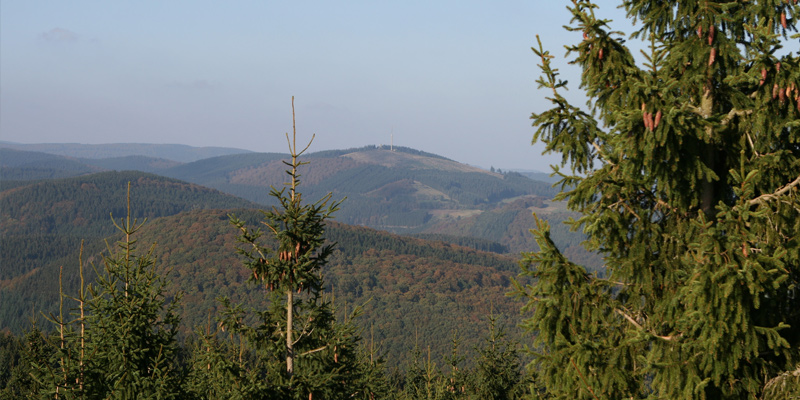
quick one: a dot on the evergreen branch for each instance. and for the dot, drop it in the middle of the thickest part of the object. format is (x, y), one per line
(583, 379)
(735, 113)
(601, 153)
(753, 146)
(313, 351)
(640, 327)
(781, 191)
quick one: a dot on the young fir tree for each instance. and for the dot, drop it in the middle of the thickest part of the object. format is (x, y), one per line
(298, 348)
(121, 343)
(497, 372)
(686, 171)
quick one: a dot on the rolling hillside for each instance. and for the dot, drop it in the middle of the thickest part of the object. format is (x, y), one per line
(175, 152)
(410, 288)
(404, 191)
(43, 223)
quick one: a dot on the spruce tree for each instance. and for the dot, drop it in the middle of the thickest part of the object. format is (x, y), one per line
(120, 342)
(686, 172)
(298, 347)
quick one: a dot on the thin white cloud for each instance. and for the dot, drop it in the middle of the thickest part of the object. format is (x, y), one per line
(59, 35)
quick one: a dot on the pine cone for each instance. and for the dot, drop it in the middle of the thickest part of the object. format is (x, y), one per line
(710, 35)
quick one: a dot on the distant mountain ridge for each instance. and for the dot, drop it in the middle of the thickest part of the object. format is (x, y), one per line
(406, 284)
(175, 152)
(399, 189)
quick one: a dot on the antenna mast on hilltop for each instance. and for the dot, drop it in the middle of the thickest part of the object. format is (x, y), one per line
(391, 142)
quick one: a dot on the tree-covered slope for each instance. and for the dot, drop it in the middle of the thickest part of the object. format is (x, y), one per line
(403, 190)
(42, 225)
(132, 163)
(31, 165)
(82, 205)
(412, 290)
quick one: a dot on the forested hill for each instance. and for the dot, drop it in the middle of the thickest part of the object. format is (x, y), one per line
(410, 289)
(399, 190)
(18, 165)
(175, 152)
(42, 225)
(403, 191)
(82, 205)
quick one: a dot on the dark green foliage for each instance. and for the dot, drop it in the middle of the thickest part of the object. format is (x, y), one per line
(42, 226)
(414, 284)
(77, 206)
(299, 349)
(17, 356)
(120, 341)
(494, 373)
(686, 176)
(132, 326)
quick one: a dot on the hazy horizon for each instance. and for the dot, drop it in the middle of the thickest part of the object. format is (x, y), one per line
(452, 78)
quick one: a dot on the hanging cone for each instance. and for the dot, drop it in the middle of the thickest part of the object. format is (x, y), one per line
(710, 35)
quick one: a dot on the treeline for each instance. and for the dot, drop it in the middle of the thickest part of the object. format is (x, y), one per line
(121, 339)
(408, 285)
(117, 335)
(465, 241)
(29, 165)
(213, 367)
(47, 207)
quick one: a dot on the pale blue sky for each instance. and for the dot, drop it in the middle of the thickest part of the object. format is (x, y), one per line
(456, 78)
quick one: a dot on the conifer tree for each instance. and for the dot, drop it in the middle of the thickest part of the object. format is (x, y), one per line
(686, 172)
(497, 374)
(121, 342)
(299, 347)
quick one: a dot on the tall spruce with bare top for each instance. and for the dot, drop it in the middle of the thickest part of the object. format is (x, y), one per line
(686, 171)
(319, 356)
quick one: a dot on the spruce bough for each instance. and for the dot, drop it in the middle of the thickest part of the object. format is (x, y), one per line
(686, 172)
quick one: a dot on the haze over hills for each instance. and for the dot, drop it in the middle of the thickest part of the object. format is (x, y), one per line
(407, 285)
(175, 152)
(429, 285)
(400, 190)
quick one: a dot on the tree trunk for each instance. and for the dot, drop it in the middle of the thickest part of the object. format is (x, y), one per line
(289, 323)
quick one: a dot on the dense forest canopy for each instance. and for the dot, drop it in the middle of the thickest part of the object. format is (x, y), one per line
(686, 172)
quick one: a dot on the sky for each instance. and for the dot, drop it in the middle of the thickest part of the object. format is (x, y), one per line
(454, 78)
